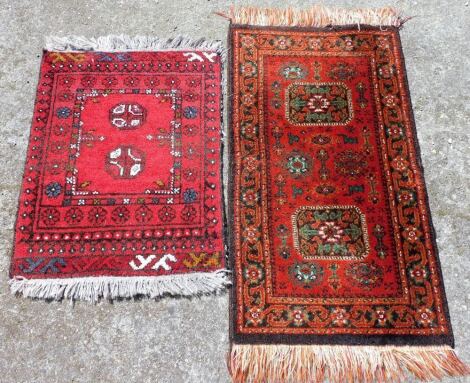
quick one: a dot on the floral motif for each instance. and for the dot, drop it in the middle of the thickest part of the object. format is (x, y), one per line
(342, 72)
(97, 215)
(50, 216)
(382, 316)
(53, 189)
(131, 81)
(188, 214)
(251, 234)
(190, 174)
(298, 164)
(120, 214)
(191, 130)
(63, 112)
(250, 197)
(351, 163)
(151, 82)
(73, 215)
(318, 104)
(109, 81)
(190, 112)
(411, 234)
(143, 214)
(340, 317)
(293, 71)
(189, 195)
(253, 273)
(418, 273)
(254, 316)
(282, 42)
(166, 214)
(250, 163)
(314, 43)
(66, 80)
(191, 97)
(193, 82)
(172, 82)
(88, 81)
(307, 274)
(249, 69)
(425, 317)
(364, 274)
(65, 96)
(330, 232)
(60, 130)
(298, 316)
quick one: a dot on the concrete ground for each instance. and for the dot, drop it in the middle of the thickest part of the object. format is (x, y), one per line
(186, 340)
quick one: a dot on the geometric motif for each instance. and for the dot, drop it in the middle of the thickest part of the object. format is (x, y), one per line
(318, 104)
(330, 232)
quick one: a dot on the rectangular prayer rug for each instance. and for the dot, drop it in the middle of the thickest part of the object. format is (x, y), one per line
(336, 272)
(122, 193)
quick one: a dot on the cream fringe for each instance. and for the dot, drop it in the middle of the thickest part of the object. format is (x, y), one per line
(341, 364)
(122, 43)
(315, 16)
(91, 289)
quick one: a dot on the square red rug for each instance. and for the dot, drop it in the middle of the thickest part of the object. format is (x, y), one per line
(122, 184)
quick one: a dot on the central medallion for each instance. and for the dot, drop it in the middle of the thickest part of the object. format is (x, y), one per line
(330, 232)
(327, 103)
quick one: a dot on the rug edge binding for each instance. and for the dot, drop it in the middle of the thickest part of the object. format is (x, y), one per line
(93, 289)
(315, 16)
(339, 364)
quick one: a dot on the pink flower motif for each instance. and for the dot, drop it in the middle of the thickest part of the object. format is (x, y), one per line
(348, 43)
(314, 44)
(298, 316)
(247, 41)
(340, 317)
(400, 164)
(425, 317)
(381, 315)
(390, 100)
(318, 103)
(254, 316)
(330, 232)
(282, 42)
(411, 234)
(251, 234)
(131, 81)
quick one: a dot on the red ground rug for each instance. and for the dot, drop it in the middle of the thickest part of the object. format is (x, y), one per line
(122, 185)
(336, 273)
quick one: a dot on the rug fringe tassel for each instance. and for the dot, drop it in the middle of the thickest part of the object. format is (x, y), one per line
(315, 16)
(122, 43)
(91, 289)
(342, 364)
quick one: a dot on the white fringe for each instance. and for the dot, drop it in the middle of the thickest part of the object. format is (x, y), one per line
(340, 364)
(91, 289)
(123, 43)
(315, 16)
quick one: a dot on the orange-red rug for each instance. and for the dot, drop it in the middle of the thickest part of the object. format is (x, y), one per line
(336, 272)
(122, 185)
